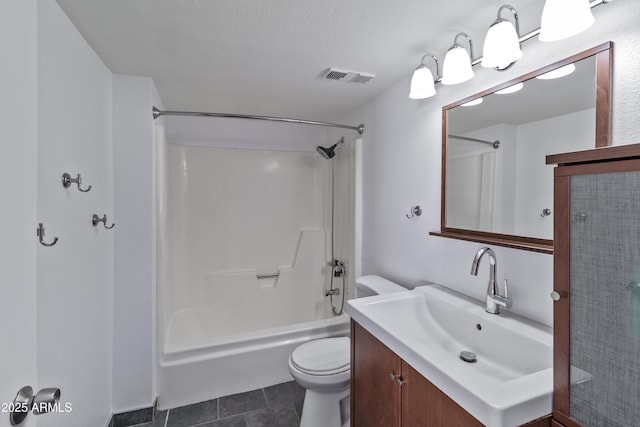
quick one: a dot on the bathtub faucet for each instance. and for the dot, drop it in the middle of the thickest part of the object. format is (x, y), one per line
(331, 292)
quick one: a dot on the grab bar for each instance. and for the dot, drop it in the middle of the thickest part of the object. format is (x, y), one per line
(267, 275)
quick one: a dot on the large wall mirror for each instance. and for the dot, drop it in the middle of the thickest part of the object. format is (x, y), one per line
(496, 185)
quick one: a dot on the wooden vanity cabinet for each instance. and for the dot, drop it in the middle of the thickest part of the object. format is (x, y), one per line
(423, 404)
(375, 394)
(387, 392)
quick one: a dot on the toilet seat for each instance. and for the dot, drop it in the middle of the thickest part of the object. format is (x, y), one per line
(328, 356)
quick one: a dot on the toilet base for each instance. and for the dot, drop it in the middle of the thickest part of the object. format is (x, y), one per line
(325, 409)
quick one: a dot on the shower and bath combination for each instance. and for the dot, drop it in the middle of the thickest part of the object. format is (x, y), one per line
(338, 268)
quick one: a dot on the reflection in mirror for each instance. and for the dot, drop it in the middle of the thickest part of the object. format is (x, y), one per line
(504, 187)
(497, 187)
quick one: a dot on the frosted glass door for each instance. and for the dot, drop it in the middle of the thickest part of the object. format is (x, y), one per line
(605, 299)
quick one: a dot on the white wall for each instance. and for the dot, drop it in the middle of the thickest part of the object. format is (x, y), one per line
(134, 269)
(75, 277)
(402, 164)
(18, 220)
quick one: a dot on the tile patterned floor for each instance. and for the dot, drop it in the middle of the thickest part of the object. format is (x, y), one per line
(276, 406)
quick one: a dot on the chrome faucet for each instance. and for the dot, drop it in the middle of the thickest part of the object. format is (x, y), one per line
(493, 298)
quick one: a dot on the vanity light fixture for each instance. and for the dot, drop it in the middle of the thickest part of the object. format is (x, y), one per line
(502, 42)
(560, 19)
(511, 89)
(422, 82)
(564, 18)
(473, 102)
(557, 73)
(457, 63)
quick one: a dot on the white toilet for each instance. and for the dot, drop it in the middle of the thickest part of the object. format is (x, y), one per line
(323, 367)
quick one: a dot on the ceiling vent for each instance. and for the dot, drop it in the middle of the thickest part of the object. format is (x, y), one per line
(345, 76)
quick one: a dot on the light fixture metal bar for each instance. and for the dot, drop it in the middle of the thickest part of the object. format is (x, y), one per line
(535, 32)
(157, 113)
(495, 144)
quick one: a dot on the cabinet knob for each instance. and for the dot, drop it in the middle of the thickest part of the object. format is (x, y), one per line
(394, 376)
(400, 381)
(555, 296)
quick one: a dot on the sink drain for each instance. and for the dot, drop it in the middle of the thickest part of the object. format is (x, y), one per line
(468, 356)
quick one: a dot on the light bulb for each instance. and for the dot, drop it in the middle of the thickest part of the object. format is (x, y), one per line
(564, 18)
(501, 45)
(422, 85)
(457, 66)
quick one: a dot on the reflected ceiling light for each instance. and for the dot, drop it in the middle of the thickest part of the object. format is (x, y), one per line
(557, 73)
(422, 82)
(511, 89)
(457, 63)
(502, 43)
(472, 102)
(564, 18)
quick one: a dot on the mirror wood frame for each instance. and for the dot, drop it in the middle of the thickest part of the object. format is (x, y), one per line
(604, 64)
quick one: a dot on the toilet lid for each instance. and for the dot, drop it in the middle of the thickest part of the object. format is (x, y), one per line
(325, 356)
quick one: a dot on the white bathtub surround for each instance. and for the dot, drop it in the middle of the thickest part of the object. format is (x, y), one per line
(244, 245)
(233, 215)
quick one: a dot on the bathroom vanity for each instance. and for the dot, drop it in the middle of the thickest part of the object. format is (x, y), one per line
(387, 391)
(406, 369)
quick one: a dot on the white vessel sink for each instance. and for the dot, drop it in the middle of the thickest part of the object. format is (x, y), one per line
(511, 380)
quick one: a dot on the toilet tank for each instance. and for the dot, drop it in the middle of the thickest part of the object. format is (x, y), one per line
(375, 285)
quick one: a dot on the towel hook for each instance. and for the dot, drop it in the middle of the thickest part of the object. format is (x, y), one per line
(67, 181)
(414, 211)
(95, 219)
(40, 234)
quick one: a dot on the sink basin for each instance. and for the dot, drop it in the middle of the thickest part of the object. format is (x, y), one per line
(511, 380)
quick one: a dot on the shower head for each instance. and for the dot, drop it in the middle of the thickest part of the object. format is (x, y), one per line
(328, 153)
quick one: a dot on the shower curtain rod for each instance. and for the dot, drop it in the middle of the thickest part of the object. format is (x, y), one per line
(495, 144)
(157, 113)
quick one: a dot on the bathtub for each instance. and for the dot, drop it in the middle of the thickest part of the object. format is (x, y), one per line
(234, 364)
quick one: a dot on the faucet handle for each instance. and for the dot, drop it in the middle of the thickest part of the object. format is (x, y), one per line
(503, 301)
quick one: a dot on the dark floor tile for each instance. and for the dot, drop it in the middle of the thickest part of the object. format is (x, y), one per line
(241, 403)
(284, 393)
(298, 407)
(160, 419)
(132, 418)
(283, 415)
(237, 421)
(190, 415)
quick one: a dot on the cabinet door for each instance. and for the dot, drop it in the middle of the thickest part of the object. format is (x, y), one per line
(598, 317)
(375, 392)
(423, 404)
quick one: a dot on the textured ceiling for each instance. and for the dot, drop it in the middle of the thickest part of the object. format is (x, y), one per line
(264, 57)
